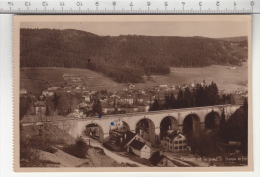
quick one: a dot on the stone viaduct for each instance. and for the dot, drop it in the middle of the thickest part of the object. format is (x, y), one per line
(198, 115)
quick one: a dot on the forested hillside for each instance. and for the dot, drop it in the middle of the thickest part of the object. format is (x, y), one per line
(124, 58)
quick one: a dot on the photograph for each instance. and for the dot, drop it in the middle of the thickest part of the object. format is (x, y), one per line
(132, 93)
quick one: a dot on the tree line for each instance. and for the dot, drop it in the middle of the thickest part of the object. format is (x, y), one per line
(124, 58)
(198, 96)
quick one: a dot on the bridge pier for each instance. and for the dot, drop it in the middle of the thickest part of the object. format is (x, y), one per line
(157, 136)
(105, 137)
(202, 126)
(180, 127)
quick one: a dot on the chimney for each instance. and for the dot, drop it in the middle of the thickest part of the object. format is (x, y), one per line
(161, 152)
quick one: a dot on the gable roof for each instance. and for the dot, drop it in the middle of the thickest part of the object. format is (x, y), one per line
(156, 158)
(173, 133)
(127, 136)
(137, 144)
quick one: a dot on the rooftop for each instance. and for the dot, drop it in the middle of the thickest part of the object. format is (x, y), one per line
(137, 144)
(156, 158)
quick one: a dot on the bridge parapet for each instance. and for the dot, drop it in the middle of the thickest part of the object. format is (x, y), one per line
(169, 111)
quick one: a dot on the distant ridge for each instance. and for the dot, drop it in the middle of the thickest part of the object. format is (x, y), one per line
(235, 39)
(73, 32)
(125, 58)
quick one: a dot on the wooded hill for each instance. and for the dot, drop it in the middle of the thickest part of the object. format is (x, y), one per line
(124, 58)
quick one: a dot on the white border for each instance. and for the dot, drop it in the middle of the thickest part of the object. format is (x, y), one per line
(6, 113)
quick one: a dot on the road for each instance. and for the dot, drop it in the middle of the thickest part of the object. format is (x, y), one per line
(116, 157)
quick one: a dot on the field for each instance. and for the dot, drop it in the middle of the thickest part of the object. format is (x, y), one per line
(225, 78)
(38, 79)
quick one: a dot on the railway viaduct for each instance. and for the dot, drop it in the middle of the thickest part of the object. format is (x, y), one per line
(189, 120)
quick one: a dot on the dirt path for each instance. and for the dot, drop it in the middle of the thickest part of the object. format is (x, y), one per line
(100, 160)
(116, 157)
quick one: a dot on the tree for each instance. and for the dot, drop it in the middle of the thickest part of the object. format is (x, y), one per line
(81, 147)
(172, 101)
(187, 98)
(63, 104)
(167, 102)
(199, 95)
(156, 105)
(222, 127)
(47, 112)
(24, 106)
(55, 101)
(180, 99)
(97, 107)
(212, 94)
(245, 129)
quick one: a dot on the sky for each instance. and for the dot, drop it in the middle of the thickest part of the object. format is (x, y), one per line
(213, 29)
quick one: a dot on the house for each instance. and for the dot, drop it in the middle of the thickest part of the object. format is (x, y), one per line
(144, 134)
(127, 99)
(174, 141)
(73, 77)
(23, 91)
(120, 138)
(40, 108)
(139, 148)
(160, 160)
(163, 86)
(48, 93)
(119, 125)
(143, 108)
(139, 98)
(114, 96)
(53, 88)
(75, 114)
(87, 98)
(108, 110)
(130, 86)
(83, 107)
(139, 138)
(143, 91)
(130, 109)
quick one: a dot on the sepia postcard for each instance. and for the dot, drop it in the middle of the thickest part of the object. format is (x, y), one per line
(132, 93)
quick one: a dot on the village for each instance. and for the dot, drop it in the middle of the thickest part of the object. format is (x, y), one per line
(128, 100)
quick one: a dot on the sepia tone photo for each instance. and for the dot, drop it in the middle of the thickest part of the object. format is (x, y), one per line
(132, 93)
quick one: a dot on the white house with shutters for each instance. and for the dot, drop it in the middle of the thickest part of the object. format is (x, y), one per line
(174, 141)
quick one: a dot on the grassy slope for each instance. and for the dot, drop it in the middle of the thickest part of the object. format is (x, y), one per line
(226, 79)
(43, 77)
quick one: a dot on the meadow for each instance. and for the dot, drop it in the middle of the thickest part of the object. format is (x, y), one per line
(37, 79)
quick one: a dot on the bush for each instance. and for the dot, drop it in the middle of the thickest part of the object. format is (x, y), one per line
(79, 149)
(49, 149)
